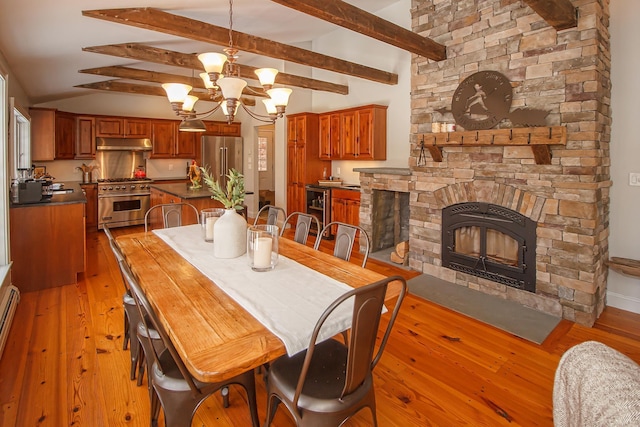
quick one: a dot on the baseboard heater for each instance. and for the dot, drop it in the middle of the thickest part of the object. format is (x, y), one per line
(8, 304)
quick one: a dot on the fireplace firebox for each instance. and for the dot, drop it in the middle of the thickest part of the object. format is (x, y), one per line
(490, 241)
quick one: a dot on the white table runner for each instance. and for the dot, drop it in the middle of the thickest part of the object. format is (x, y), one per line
(287, 300)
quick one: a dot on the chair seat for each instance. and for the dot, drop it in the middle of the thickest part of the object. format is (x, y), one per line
(325, 378)
(170, 378)
(128, 299)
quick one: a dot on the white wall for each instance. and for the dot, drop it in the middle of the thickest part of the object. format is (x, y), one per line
(624, 240)
(376, 54)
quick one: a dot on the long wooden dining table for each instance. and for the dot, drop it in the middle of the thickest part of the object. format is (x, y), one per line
(214, 335)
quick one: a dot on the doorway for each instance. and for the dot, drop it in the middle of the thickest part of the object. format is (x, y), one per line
(266, 162)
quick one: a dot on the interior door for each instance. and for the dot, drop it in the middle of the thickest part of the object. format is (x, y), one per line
(265, 164)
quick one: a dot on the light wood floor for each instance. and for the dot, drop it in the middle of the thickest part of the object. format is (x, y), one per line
(64, 364)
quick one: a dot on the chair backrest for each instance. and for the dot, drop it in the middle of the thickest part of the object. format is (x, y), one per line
(273, 212)
(147, 314)
(303, 226)
(361, 356)
(171, 214)
(344, 240)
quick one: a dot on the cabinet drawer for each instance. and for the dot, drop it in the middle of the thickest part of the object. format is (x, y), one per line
(339, 193)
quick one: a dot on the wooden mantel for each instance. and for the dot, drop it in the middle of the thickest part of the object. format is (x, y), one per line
(538, 138)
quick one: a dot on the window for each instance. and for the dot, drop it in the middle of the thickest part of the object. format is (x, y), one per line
(262, 154)
(20, 133)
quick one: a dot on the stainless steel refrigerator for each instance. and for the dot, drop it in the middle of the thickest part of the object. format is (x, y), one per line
(221, 153)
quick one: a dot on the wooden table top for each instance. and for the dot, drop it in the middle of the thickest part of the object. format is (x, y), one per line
(216, 338)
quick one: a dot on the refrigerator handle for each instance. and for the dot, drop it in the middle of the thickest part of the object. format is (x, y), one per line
(221, 163)
(226, 160)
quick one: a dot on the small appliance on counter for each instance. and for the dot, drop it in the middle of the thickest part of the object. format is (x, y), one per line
(29, 191)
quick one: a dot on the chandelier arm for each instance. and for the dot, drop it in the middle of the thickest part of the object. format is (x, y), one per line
(260, 117)
(193, 115)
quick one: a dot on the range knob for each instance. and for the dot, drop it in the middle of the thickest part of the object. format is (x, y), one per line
(110, 188)
(133, 187)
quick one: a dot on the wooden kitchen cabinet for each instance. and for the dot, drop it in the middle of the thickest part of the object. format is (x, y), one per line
(91, 193)
(363, 133)
(65, 139)
(345, 206)
(168, 142)
(304, 165)
(43, 137)
(123, 127)
(85, 138)
(223, 128)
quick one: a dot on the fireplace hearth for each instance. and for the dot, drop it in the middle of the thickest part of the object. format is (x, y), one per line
(490, 241)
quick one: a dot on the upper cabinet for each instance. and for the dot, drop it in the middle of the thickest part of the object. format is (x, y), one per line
(85, 137)
(223, 128)
(43, 127)
(56, 135)
(354, 134)
(122, 127)
(65, 136)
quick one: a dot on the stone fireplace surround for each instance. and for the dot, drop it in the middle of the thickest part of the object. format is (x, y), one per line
(566, 73)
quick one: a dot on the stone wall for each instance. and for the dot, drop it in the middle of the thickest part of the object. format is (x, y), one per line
(567, 74)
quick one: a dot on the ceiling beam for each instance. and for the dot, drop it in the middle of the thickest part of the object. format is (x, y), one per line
(158, 20)
(157, 77)
(560, 14)
(146, 53)
(119, 86)
(345, 15)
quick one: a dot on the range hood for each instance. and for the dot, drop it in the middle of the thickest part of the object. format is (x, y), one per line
(123, 144)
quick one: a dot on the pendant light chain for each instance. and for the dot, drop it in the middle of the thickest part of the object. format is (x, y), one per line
(231, 24)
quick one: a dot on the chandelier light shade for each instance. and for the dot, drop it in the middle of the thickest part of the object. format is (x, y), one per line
(224, 85)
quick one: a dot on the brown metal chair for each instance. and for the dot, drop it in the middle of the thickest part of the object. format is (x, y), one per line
(331, 381)
(133, 325)
(171, 386)
(171, 214)
(303, 226)
(344, 240)
(273, 213)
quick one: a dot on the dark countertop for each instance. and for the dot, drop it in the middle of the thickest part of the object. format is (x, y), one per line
(352, 187)
(384, 171)
(182, 190)
(59, 199)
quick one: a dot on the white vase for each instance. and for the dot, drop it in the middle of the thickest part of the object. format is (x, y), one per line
(230, 233)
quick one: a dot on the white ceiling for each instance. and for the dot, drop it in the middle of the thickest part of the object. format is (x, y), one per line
(42, 40)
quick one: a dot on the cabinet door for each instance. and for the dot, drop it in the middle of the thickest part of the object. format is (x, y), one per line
(335, 136)
(110, 127)
(186, 144)
(348, 136)
(91, 193)
(137, 128)
(233, 129)
(352, 212)
(65, 136)
(85, 138)
(43, 134)
(325, 136)
(365, 134)
(163, 135)
(292, 180)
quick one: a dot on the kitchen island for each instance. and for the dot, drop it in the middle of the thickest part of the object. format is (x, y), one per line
(48, 240)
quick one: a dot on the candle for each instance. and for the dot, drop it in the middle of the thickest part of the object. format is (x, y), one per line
(262, 252)
(208, 234)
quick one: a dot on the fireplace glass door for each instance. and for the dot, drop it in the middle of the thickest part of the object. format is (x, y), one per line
(490, 241)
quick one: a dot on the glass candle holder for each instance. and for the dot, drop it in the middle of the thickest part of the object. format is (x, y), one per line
(208, 217)
(262, 247)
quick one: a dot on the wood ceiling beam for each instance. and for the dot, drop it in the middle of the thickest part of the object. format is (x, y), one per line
(146, 53)
(119, 86)
(158, 77)
(158, 20)
(560, 14)
(345, 15)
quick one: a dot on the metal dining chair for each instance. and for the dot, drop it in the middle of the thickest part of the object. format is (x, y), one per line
(303, 226)
(331, 381)
(171, 214)
(132, 321)
(172, 388)
(273, 213)
(344, 239)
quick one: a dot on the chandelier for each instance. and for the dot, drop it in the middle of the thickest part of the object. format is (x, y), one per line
(225, 87)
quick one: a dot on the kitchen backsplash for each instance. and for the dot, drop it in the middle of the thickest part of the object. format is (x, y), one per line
(167, 168)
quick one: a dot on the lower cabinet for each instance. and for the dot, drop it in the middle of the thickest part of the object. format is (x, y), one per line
(345, 206)
(188, 217)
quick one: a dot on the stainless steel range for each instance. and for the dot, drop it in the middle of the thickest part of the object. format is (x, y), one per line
(123, 201)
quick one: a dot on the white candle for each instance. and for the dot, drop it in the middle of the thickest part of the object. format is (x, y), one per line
(262, 252)
(208, 234)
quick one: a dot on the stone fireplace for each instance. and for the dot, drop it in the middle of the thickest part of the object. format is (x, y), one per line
(566, 74)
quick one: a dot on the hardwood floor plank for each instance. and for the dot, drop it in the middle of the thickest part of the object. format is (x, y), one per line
(64, 363)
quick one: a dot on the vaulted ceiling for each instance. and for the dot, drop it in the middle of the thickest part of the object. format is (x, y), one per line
(134, 48)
